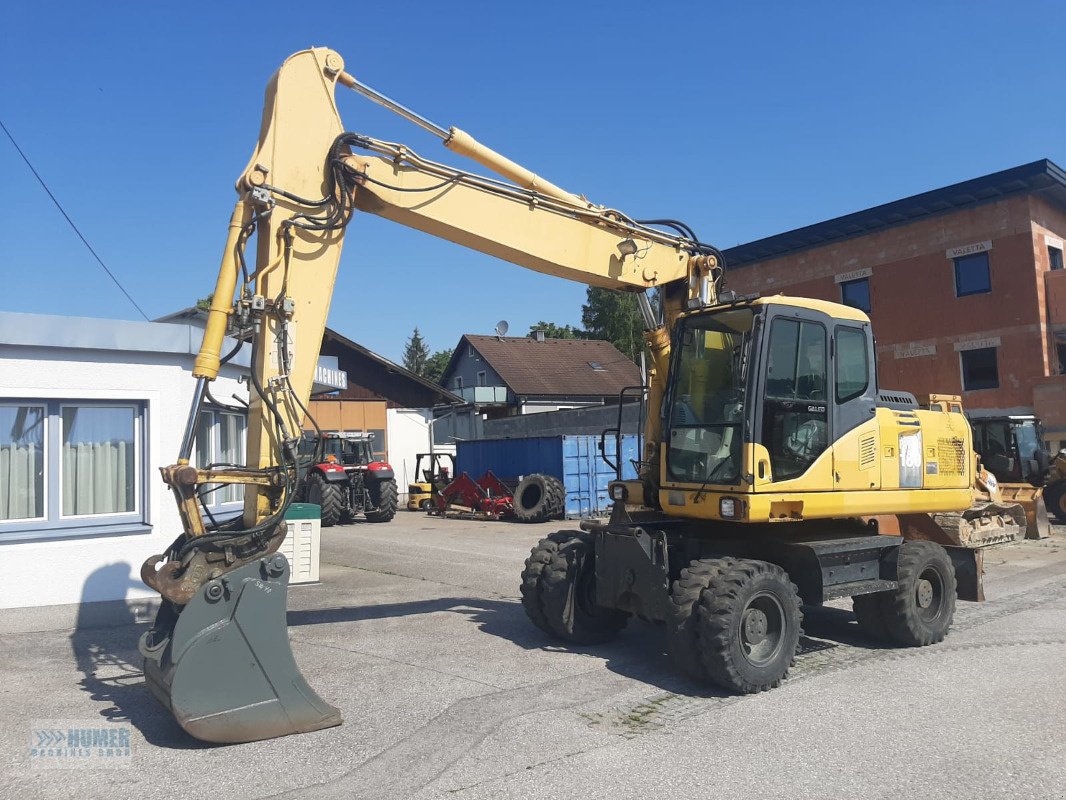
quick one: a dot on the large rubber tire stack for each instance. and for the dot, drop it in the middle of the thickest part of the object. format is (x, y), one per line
(330, 497)
(919, 611)
(539, 498)
(385, 498)
(559, 590)
(735, 622)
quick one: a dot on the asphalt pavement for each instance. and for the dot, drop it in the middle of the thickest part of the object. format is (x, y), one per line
(415, 632)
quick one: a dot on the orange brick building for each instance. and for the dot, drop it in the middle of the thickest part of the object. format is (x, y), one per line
(965, 287)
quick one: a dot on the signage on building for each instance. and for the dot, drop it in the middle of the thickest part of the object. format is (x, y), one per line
(915, 351)
(977, 344)
(854, 275)
(969, 249)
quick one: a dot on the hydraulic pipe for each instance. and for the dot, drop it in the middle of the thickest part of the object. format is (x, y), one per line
(462, 143)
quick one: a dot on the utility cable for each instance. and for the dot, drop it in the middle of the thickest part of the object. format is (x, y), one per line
(99, 260)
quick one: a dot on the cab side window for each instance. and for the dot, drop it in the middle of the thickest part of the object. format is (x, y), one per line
(852, 368)
(795, 420)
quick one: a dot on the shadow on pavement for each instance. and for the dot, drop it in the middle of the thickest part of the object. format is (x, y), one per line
(110, 663)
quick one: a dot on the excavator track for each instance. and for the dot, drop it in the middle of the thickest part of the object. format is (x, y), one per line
(983, 524)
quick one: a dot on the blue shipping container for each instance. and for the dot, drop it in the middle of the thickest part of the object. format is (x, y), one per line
(575, 460)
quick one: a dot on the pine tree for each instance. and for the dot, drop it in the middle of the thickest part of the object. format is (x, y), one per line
(416, 353)
(436, 364)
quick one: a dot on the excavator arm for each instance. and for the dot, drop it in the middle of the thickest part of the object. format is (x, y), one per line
(304, 182)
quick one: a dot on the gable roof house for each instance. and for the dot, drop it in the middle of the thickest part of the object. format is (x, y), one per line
(511, 375)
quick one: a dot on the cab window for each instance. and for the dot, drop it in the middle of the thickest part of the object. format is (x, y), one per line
(852, 367)
(795, 421)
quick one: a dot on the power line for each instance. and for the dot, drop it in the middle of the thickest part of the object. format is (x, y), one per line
(99, 260)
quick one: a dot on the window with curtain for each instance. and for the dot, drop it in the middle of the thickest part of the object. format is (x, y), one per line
(71, 466)
(21, 462)
(99, 474)
(220, 440)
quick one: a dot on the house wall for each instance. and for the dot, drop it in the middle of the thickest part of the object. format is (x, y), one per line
(97, 567)
(409, 432)
(352, 415)
(467, 367)
(919, 323)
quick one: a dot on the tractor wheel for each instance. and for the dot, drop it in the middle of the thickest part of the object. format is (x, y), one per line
(327, 496)
(539, 498)
(748, 625)
(870, 614)
(681, 634)
(385, 498)
(559, 590)
(1055, 500)
(919, 610)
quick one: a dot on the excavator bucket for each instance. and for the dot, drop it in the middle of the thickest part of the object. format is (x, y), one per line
(1030, 498)
(223, 664)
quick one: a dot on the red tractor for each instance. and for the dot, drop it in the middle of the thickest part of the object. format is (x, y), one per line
(347, 480)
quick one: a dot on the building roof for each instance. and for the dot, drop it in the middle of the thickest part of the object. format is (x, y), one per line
(365, 369)
(382, 377)
(559, 367)
(1043, 177)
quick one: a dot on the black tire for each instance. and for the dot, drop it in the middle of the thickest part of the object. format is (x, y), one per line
(748, 625)
(870, 614)
(681, 634)
(538, 498)
(532, 587)
(563, 596)
(385, 497)
(426, 504)
(920, 610)
(330, 497)
(1055, 500)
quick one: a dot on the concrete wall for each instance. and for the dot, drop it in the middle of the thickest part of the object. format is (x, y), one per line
(96, 567)
(919, 323)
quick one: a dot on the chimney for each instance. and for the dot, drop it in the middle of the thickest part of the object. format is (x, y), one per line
(538, 335)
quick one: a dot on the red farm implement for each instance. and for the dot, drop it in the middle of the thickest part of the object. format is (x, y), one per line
(486, 498)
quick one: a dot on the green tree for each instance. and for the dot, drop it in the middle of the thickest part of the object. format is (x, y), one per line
(204, 303)
(614, 317)
(553, 331)
(415, 353)
(436, 364)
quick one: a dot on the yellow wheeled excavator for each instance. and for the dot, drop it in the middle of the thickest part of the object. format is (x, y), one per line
(770, 454)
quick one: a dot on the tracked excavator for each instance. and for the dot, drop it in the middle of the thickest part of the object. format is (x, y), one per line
(772, 462)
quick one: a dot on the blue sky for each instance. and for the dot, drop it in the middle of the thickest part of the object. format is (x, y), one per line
(743, 120)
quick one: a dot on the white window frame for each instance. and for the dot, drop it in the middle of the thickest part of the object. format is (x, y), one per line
(56, 525)
(138, 466)
(43, 405)
(215, 448)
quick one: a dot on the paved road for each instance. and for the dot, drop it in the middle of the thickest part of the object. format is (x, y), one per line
(416, 634)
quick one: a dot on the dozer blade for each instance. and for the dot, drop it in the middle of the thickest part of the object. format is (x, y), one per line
(223, 665)
(1030, 498)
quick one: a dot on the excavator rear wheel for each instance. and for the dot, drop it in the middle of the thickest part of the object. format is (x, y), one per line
(919, 611)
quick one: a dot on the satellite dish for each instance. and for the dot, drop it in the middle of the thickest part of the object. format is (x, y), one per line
(502, 327)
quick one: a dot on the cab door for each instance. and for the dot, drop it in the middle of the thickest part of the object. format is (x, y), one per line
(856, 446)
(792, 420)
